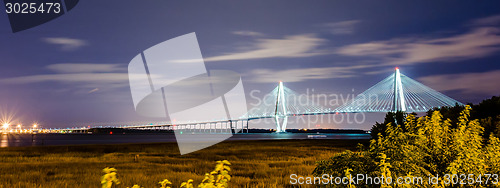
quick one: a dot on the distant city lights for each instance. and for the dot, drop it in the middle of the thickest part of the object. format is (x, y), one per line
(8, 127)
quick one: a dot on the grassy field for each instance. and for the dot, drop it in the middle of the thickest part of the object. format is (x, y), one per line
(254, 163)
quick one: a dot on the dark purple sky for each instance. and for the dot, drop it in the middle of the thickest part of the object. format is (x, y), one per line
(72, 71)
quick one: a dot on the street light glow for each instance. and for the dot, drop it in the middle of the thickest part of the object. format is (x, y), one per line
(5, 125)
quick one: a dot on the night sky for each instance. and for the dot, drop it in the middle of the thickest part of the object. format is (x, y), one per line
(72, 71)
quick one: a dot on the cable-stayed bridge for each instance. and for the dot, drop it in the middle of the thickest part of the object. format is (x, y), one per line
(397, 92)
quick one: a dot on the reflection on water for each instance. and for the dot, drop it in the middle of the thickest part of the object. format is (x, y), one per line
(5, 141)
(16, 140)
(33, 140)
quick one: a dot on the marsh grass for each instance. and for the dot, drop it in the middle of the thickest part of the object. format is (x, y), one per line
(254, 163)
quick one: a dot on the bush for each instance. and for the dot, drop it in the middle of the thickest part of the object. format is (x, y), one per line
(390, 117)
(218, 178)
(356, 161)
(425, 146)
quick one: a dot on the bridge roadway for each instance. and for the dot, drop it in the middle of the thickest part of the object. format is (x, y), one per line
(220, 126)
(398, 93)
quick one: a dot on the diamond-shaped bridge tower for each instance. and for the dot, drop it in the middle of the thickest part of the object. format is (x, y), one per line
(281, 103)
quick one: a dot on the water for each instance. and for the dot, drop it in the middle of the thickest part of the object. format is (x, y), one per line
(16, 140)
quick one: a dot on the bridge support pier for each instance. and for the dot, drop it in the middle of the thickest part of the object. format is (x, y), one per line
(234, 129)
(247, 124)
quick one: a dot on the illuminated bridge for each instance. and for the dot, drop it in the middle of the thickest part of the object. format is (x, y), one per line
(397, 92)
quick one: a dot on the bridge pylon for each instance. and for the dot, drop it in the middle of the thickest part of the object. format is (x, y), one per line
(399, 97)
(281, 103)
(280, 110)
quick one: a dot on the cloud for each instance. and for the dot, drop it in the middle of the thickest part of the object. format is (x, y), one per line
(248, 33)
(86, 76)
(477, 42)
(290, 46)
(93, 90)
(67, 44)
(299, 75)
(487, 21)
(342, 28)
(468, 83)
(68, 78)
(85, 67)
(380, 71)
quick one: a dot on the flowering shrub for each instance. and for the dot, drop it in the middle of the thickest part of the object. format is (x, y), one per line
(218, 178)
(109, 178)
(426, 146)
